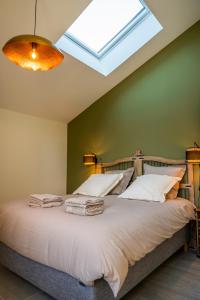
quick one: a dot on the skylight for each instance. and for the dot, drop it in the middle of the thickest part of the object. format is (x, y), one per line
(108, 32)
(102, 21)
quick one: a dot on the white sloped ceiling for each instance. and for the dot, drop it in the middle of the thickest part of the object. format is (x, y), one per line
(64, 92)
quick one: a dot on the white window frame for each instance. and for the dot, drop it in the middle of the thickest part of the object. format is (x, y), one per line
(130, 39)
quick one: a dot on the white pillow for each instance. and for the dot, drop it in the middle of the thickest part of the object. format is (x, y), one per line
(150, 187)
(175, 171)
(98, 185)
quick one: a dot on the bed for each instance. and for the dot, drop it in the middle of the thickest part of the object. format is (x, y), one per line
(106, 274)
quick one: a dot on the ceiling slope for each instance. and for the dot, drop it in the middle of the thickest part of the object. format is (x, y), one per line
(64, 92)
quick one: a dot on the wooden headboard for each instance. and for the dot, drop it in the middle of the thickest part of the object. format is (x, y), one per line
(186, 186)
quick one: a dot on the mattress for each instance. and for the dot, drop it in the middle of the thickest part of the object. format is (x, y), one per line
(89, 248)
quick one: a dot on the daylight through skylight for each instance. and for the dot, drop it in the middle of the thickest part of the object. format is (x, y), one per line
(102, 21)
(108, 32)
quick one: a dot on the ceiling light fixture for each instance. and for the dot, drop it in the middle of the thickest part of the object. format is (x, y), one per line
(32, 52)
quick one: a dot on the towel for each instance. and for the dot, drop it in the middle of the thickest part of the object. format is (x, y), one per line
(45, 205)
(45, 200)
(83, 201)
(85, 211)
(46, 197)
(84, 206)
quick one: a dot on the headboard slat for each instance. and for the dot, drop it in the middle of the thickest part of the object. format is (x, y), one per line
(121, 164)
(116, 162)
(162, 160)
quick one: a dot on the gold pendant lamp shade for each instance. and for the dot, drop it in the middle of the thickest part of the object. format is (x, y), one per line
(32, 52)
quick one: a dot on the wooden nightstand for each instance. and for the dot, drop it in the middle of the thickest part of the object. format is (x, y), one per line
(198, 230)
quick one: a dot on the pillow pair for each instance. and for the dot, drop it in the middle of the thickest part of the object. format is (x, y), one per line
(98, 185)
(157, 184)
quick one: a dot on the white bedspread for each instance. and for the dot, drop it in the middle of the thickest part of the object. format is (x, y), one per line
(89, 248)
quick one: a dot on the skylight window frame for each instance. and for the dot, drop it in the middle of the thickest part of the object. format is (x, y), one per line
(146, 27)
(117, 38)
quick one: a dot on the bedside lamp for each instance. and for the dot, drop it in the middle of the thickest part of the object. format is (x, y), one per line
(193, 157)
(89, 159)
(193, 154)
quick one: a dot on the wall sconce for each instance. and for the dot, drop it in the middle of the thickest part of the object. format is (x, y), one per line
(193, 154)
(89, 159)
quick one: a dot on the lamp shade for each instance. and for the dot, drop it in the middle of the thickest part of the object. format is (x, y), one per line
(32, 52)
(193, 155)
(89, 159)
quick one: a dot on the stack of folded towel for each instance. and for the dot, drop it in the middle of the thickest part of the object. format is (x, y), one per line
(84, 206)
(45, 200)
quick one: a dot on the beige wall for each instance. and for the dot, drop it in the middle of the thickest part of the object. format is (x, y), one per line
(32, 155)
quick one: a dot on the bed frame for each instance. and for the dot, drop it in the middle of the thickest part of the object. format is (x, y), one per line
(62, 286)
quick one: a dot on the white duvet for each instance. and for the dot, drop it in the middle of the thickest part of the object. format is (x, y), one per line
(89, 248)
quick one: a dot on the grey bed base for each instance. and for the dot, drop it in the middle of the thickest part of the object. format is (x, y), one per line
(62, 286)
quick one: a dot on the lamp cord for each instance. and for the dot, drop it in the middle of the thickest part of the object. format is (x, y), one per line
(35, 23)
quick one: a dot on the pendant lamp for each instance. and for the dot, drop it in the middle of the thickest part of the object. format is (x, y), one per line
(32, 52)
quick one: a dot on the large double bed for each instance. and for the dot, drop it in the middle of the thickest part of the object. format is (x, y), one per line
(99, 257)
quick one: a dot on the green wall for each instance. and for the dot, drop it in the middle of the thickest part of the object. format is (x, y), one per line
(157, 109)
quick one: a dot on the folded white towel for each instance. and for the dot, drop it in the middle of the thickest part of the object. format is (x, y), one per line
(84, 206)
(83, 201)
(47, 201)
(45, 205)
(46, 197)
(85, 211)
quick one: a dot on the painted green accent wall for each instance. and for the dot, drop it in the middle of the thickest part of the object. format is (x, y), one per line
(157, 109)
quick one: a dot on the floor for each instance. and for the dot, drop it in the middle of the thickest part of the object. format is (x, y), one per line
(177, 279)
